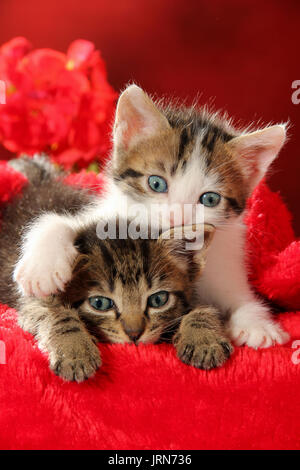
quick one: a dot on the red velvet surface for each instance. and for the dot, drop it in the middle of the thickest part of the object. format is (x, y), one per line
(144, 397)
(241, 55)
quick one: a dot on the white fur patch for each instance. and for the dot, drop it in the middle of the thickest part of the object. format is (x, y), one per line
(48, 255)
(252, 325)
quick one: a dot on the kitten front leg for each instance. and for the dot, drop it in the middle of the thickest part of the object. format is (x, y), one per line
(201, 341)
(224, 283)
(73, 354)
(48, 253)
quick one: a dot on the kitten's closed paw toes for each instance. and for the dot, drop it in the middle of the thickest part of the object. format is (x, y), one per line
(257, 335)
(78, 368)
(41, 275)
(203, 355)
(32, 280)
(63, 272)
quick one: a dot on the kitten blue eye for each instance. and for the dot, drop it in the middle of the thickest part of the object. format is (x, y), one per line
(158, 184)
(101, 303)
(159, 299)
(210, 199)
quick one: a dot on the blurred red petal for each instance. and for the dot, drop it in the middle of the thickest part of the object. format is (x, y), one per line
(79, 53)
(15, 49)
(54, 105)
(10, 54)
(43, 66)
(68, 158)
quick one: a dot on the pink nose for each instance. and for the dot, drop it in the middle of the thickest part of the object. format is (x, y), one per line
(133, 334)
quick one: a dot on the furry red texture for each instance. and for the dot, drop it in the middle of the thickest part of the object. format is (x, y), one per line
(274, 254)
(145, 398)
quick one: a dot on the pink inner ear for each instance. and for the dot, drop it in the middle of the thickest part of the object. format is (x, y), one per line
(256, 161)
(258, 150)
(253, 167)
(137, 117)
(133, 124)
(260, 158)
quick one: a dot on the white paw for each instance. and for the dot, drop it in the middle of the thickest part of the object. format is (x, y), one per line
(45, 270)
(256, 334)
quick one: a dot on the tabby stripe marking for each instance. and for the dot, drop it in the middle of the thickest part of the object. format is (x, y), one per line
(236, 207)
(70, 330)
(130, 173)
(184, 138)
(66, 320)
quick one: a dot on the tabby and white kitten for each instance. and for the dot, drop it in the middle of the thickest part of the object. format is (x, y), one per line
(166, 155)
(123, 290)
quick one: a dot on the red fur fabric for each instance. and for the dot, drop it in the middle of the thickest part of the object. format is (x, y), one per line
(143, 397)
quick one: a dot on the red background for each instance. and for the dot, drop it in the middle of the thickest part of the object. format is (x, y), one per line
(241, 56)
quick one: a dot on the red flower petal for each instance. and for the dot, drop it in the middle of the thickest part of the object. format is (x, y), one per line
(43, 66)
(79, 54)
(68, 158)
(10, 54)
(57, 103)
(15, 49)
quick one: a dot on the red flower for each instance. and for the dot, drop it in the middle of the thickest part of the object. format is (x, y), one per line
(57, 103)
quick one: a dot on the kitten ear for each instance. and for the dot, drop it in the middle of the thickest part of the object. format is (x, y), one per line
(137, 118)
(257, 150)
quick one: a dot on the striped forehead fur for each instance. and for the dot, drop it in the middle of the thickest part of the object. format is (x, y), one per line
(129, 259)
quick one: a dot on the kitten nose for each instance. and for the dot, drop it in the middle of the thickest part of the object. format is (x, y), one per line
(133, 334)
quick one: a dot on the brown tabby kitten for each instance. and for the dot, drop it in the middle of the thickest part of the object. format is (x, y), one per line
(121, 290)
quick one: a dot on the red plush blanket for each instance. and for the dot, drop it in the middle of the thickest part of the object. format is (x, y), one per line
(144, 397)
